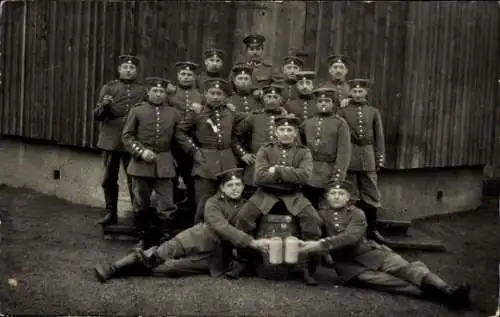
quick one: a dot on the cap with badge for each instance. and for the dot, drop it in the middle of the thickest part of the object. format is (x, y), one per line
(242, 69)
(273, 89)
(157, 82)
(287, 120)
(338, 59)
(324, 93)
(306, 75)
(187, 66)
(344, 184)
(254, 40)
(230, 174)
(359, 83)
(217, 83)
(128, 59)
(213, 52)
(294, 60)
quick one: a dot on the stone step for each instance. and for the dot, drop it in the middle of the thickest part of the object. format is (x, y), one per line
(393, 227)
(415, 239)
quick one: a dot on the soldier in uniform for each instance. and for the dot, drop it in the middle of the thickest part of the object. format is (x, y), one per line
(206, 136)
(327, 136)
(337, 68)
(291, 66)
(147, 135)
(256, 130)
(115, 101)
(303, 106)
(214, 61)
(368, 151)
(242, 98)
(282, 168)
(198, 249)
(361, 261)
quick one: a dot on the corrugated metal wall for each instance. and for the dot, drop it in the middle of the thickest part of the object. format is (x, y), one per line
(434, 64)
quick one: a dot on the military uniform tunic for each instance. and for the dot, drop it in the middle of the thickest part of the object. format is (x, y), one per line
(364, 260)
(183, 98)
(302, 107)
(244, 103)
(290, 92)
(341, 88)
(262, 70)
(255, 130)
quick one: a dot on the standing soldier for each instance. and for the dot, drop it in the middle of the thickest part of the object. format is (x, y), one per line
(148, 135)
(242, 98)
(337, 68)
(368, 151)
(254, 49)
(115, 101)
(303, 106)
(214, 61)
(186, 98)
(292, 65)
(256, 130)
(206, 136)
(327, 136)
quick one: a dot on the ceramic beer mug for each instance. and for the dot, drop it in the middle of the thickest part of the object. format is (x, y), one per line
(292, 250)
(276, 250)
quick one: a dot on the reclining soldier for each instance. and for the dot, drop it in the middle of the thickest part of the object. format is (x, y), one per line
(281, 169)
(365, 262)
(204, 247)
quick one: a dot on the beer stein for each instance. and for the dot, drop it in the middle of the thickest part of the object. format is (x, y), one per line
(291, 250)
(276, 250)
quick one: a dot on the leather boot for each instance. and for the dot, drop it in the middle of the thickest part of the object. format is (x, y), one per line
(128, 264)
(111, 213)
(371, 218)
(307, 267)
(239, 264)
(435, 288)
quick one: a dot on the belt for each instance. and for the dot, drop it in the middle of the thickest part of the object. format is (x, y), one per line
(361, 142)
(219, 147)
(321, 157)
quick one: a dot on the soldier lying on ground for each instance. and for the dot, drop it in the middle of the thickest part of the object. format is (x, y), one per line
(204, 247)
(365, 262)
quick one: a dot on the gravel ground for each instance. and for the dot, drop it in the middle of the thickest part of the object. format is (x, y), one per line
(49, 247)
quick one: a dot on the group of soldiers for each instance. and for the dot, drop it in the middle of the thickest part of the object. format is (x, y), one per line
(244, 146)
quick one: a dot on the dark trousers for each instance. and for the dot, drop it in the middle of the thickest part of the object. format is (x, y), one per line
(314, 195)
(111, 163)
(204, 189)
(184, 168)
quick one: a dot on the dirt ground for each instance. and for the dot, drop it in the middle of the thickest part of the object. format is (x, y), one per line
(49, 247)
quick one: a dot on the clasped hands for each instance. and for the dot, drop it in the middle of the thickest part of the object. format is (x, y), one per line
(148, 156)
(311, 246)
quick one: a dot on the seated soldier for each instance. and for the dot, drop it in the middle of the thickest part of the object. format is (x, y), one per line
(365, 262)
(206, 238)
(281, 169)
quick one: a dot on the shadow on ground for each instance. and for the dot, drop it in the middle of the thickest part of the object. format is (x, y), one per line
(49, 247)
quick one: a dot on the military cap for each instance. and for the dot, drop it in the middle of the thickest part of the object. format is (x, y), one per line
(324, 93)
(209, 52)
(344, 184)
(157, 82)
(306, 74)
(187, 66)
(289, 119)
(294, 60)
(242, 69)
(254, 40)
(273, 89)
(277, 78)
(229, 174)
(128, 59)
(338, 59)
(359, 83)
(217, 83)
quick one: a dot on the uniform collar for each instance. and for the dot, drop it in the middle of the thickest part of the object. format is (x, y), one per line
(254, 62)
(306, 97)
(127, 81)
(338, 81)
(274, 110)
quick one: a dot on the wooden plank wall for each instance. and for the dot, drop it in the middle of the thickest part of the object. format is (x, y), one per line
(434, 64)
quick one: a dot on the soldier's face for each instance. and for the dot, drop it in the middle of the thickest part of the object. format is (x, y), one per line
(215, 96)
(213, 64)
(305, 86)
(243, 82)
(157, 95)
(324, 104)
(233, 188)
(337, 197)
(272, 100)
(254, 51)
(127, 71)
(185, 77)
(289, 70)
(359, 94)
(286, 134)
(338, 70)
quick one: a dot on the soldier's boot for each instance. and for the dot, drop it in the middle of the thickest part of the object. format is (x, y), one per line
(435, 288)
(307, 266)
(371, 219)
(239, 264)
(111, 212)
(142, 221)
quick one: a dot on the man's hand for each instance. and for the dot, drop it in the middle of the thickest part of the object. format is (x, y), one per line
(196, 107)
(248, 158)
(231, 107)
(283, 111)
(312, 246)
(257, 93)
(272, 169)
(107, 100)
(344, 102)
(148, 155)
(171, 88)
(198, 156)
(261, 245)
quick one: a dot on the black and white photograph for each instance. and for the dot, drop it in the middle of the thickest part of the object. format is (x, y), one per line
(249, 158)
